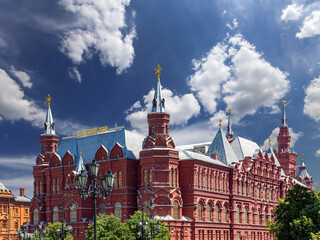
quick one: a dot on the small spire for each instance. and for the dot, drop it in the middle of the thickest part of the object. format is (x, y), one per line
(80, 165)
(220, 123)
(49, 124)
(158, 101)
(230, 130)
(269, 142)
(284, 115)
(302, 155)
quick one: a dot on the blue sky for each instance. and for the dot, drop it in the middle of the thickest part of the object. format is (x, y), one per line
(97, 60)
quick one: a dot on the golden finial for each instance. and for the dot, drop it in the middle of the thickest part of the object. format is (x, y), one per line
(229, 111)
(269, 141)
(80, 154)
(220, 123)
(284, 103)
(48, 100)
(158, 71)
(302, 155)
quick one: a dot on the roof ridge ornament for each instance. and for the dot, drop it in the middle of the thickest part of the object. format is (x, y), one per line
(302, 155)
(269, 142)
(284, 103)
(158, 71)
(48, 100)
(229, 111)
(220, 123)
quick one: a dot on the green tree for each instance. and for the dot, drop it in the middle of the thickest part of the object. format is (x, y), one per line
(109, 227)
(298, 215)
(162, 234)
(52, 234)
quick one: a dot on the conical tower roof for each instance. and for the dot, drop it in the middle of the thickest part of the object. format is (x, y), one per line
(284, 115)
(49, 124)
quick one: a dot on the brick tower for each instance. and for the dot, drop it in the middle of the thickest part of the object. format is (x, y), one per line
(159, 162)
(287, 158)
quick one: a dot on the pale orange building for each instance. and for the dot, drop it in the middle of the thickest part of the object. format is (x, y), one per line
(14, 211)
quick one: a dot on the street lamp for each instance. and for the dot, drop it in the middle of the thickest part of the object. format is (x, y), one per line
(64, 231)
(39, 231)
(94, 189)
(22, 232)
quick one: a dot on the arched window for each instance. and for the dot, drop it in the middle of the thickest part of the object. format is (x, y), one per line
(252, 190)
(145, 174)
(215, 183)
(264, 193)
(207, 181)
(240, 188)
(238, 215)
(73, 213)
(217, 213)
(36, 216)
(223, 185)
(200, 211)
(150, 176)
(252, 220)
(175, 210)
(259, 218)
(40, 188)
(209, 213)
(224, 213)
(58, 188)
(55, 215)
(115, 183)
(236, 187)
(218, 182)
(16, 225)
(172, 178)
(258, 192)
(120, 179)
(102, 209)
(175, 178)
(245, 189)
(53, 186)
(270, 194)
(210, 182)
(245, 216)
(117, 210)
(201, 182)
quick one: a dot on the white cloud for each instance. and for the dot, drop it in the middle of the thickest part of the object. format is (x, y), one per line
(311, 25)
(312, 100)
(181, 109)
(254, 82)
(18, 173)
(23, 77)
(101, 27)
(292, 12)
(273, 137)
(233, 71)
(74, 74)
(233, 25)
(14, 105)
(210, 72)
(317, 154)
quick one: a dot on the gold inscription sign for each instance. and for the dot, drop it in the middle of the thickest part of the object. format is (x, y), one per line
(92, 131)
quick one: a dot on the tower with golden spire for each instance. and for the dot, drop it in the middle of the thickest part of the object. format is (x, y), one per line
(286, 157)
(230, 135)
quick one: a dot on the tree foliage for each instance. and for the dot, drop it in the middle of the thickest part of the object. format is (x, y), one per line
(162, 234)
(52, 234)
(298, 215)
(110, 227)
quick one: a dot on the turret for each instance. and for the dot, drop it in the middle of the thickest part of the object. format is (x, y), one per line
(286, 157)
(230, 135)
(49, 140)
(303, 176)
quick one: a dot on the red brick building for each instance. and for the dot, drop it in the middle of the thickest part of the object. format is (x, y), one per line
(226, 189)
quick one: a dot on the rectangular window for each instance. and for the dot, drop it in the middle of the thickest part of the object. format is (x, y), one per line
(210, 182)
(197, 180)
(53, 186)
(26, 211)
(115, 184)
(58, 188)
(120, 179)
(252, 190)
(150, 177)
(207, 181)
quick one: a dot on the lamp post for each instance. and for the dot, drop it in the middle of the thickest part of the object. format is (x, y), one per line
(22, 232)
(39, 231)
(157, 229)
(64, 231)
(95, 189)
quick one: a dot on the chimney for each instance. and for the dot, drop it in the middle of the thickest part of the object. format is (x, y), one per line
(21, 191)
(214, 156)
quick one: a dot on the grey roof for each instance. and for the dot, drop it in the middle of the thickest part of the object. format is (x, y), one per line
(49, 121)
(158, 97)
(221, 146)
(2, 187)
(189, 155)
(244, 148)
(303, 173)
(22, 199)
(276, 161)
(89, 145)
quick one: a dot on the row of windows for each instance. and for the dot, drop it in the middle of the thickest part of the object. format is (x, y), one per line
(246, 216)
(147, 177)
(225, 235)
(16, 210)
(73, 213)
(242, 189)
(211, 183)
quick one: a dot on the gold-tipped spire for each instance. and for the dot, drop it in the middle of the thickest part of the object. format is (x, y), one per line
(158, 71)
(80, 154)
(284, 103)
(220, 123)
(302, 155)
(48, 100)
(229, 111)
(269, 141)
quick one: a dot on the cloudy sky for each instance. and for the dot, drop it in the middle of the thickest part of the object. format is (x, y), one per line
(97, 59)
